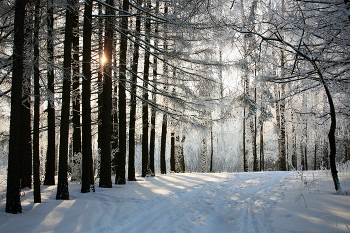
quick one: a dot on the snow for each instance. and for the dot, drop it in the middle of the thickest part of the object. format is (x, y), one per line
(191, 202)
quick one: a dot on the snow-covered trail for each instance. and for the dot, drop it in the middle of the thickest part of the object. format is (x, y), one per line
(189, 202)
(239, 202)
(235, 204)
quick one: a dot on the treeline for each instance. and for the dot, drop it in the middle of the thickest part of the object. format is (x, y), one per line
(132, 52)
(92, 82)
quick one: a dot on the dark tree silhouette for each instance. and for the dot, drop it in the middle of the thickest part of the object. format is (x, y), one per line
(76, 85)
(26, 135)
(36, 159)
(165, 116)
(135, 61)
(62, 185)
(105, 166)
(87, 168)
(120, 171)
(13, 201)
(145, 96)
(51, 141)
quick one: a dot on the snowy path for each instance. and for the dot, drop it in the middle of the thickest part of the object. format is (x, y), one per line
(192, 202)
(234, 204)
(239, 204)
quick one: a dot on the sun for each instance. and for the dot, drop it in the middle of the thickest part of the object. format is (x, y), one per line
(103, 59)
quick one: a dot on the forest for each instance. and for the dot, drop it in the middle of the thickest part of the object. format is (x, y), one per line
(107, 91)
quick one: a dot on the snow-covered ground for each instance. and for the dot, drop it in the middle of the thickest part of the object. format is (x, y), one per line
(191, 202)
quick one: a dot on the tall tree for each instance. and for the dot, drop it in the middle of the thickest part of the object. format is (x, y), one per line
(165, 116)
(120, 171)
(254, 147)
(36, 159)
(26, 135)
(262, 154)
(87, 168)
(294, 139)
(154, 100)
(62, 185)
(134, 66)
(76, 87)
(145, 162)
(51, 141)
(105, 166)
(100, 77)
(13, 201)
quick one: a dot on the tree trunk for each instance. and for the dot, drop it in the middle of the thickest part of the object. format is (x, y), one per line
(100, 79)
(315, 157)
(26, 134)
(87, 178)
(51, 119)
(302, 157)
(13, 201)
(262, 159)
(165, 117)
(331, 134)
(135, 61)
(245, 159)
(204, 155)
(172, 151)
(154, 98)
(163, 144)
(282, 134)
(120, 171)
(36, 159)
(145, 97)
(255, 154)
(105, 165)
(76, 89)
(294, 139)
(211, 147)
(62, 186)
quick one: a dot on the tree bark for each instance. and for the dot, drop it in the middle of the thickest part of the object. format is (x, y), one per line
(331, 134)
(165, 116)
(62, 185)
(105, 165)
(145, 154)
(262, 159)
(163, 144)
(26, 134)
(282, 107)
(204, 155)
(135, 61)
(87, 178)
(120, 171)
(245, 159)
(51, 119)
(255, 154)
(13, 201)
(294, 139)
(100, 79)
(211, 147)
(172, 152)
(36, 159)
(154, 98)
(76, 88)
